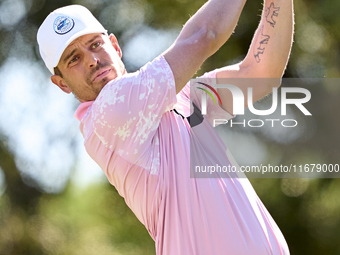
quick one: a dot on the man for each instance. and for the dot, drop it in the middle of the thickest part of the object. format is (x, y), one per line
(137, 126)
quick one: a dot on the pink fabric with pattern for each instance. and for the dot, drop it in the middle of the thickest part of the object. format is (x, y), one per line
(144, 150)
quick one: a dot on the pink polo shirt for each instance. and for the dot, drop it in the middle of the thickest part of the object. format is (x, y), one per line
(145, 150)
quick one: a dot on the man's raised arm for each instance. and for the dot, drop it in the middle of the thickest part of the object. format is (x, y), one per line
(270, 48)
(202, 36)
(268, 53)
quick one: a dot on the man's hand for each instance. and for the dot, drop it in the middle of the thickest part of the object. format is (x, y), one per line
(267, 56)
(202, 36)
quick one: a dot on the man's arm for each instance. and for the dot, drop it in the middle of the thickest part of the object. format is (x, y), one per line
(202, 36)
(267, 56)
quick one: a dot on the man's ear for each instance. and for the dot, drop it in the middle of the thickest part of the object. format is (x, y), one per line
(115, 44)
(60, 82)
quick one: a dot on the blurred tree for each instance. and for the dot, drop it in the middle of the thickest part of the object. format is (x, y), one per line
(16, 206)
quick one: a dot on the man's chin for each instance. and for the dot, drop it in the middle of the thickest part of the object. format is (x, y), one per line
(100, 85)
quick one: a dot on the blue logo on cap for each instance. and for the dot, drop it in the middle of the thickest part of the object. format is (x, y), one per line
(63, 24)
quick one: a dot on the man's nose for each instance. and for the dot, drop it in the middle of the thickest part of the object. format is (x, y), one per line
(92, 60)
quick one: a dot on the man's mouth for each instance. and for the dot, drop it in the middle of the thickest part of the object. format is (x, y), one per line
(101, 74)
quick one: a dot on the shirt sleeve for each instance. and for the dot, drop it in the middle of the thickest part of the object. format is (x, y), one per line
(128, 110)
(191, 94)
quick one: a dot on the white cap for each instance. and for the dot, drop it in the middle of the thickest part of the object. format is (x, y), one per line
(60, 28)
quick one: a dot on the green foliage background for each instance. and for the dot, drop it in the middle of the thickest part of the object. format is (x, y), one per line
(96, 220)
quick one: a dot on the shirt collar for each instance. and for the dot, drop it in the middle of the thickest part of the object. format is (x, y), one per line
(82, 109)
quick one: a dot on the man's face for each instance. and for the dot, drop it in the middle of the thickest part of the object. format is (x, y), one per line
(88, 64)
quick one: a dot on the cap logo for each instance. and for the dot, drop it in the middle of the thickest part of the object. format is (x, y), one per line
(63, 25)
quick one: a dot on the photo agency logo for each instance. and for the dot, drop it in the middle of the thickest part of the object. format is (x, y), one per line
(238, 98)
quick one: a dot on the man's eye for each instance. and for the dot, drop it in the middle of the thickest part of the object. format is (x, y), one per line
(95, 45)
(74, 59)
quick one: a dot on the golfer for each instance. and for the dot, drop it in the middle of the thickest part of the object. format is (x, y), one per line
(137, 126)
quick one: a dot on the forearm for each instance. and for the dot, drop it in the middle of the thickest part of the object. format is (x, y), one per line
(270, 48)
